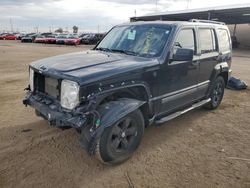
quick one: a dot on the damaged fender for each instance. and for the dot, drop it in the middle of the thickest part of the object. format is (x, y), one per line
(109, 113)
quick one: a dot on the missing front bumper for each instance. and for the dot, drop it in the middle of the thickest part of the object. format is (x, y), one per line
(51, 111)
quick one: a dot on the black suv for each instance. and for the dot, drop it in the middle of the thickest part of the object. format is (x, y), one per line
(140, 74)
(91, 38)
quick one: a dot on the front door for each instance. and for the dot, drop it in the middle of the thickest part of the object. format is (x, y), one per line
(178, 79)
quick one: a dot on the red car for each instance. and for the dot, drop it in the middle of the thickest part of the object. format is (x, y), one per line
(73, 40)
(2, 36)
(40, 39)
(50, 39)
(8, 37)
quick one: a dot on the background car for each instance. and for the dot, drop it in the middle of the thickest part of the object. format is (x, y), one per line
(83, 34)
(60, 39)
(21, 35)
(2, 35)
(29, 37)
(40, 39)
(72, 39)
(50, 39)
(9, 36)
(91, 38)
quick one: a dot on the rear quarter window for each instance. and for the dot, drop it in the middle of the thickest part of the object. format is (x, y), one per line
(223, 39)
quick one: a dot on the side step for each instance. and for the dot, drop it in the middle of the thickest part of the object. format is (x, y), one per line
(176, 114)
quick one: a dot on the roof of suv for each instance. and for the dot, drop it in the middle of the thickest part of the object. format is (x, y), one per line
(179, 23)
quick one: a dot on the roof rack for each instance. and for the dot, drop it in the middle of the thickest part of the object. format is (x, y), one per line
(206, 21)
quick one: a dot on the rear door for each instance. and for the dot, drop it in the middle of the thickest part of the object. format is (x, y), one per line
(208, 51)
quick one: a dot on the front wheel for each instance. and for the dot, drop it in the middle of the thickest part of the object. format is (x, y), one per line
(217, 93)
(119, 141)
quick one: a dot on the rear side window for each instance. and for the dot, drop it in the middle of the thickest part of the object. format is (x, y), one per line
(185, 39)
(223, 40)
(207, 40)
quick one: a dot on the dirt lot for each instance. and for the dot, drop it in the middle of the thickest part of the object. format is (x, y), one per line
(200, 149)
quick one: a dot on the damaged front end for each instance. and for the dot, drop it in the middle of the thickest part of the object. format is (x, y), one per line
(51, 110)
(81, 118)
(89, 119)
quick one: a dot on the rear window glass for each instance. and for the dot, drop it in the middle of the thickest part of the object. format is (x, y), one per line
(223, 40)
(207, 40)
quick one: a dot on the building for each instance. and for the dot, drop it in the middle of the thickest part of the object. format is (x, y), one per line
(237, 17)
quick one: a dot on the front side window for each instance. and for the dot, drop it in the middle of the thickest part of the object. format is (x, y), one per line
(186, 39)
(224, 41)
(207, 40)
(141, 40)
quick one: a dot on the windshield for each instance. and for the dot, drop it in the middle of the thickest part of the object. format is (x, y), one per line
(88, 36)
(72, 36)
(40, 36)
(51, 36)
(140, 40)
(62, 36)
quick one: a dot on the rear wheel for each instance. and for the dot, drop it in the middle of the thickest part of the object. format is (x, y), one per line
(119, 141)
(217, 93)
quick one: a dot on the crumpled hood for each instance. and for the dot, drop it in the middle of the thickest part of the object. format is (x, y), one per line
(91, 64)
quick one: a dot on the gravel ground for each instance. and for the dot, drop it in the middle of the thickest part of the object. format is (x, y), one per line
(199, 149)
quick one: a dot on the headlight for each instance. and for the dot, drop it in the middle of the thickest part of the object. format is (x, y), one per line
(31, 79)
(69, 94)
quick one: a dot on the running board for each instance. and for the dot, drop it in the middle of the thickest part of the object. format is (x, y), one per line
(176, 114)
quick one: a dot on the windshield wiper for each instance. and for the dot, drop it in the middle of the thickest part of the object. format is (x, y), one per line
(125, 52)
(117, 50)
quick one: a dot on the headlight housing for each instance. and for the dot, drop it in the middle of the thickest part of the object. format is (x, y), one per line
(31, 79)
(69, 94)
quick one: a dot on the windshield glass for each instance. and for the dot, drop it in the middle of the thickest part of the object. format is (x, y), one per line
(40, 36)
(141, 40)
(62, 36)
(51, 36)
(72, 36)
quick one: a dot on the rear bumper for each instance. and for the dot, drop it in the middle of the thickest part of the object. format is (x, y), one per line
(50, 41)
(26, 40)
(39, 41)
(60, 42)
(71, 43)
(52, 112)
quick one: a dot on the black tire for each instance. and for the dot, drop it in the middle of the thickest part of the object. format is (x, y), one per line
(119, 141)
(216, 94)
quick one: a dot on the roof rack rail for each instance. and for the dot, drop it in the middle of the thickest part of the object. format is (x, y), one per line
(206, 21)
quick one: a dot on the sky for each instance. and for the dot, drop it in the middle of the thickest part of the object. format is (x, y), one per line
(88, 15)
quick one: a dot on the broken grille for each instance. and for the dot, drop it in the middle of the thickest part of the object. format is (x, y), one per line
(47, 85)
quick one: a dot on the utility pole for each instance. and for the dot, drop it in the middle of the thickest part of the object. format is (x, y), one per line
(98, 28)
(11, 25)
(36, 29)
(156, 3)
(188, 3)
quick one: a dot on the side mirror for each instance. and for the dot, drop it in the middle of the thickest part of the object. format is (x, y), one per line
(183, 54)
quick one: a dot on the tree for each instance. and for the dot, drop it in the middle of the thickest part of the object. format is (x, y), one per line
(75, 29)
(59, 30)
